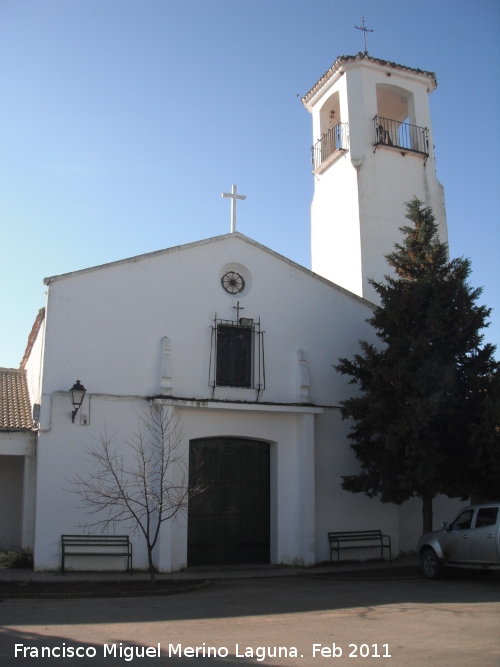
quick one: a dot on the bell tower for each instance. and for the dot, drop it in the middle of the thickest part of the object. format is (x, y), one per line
(372, 152)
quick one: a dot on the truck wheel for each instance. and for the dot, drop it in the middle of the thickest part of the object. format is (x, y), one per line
(432, 568)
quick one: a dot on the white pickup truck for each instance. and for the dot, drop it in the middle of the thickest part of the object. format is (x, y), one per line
(471, 540)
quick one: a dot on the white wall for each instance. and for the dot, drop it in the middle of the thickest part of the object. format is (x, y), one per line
(335, 230)
(33, 366)
(62, 455)
(342, 510)
(335, 226)
(105, 326)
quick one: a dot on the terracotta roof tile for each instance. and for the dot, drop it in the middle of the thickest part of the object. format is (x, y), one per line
(15, 407)
(32, 337)
(364, 56)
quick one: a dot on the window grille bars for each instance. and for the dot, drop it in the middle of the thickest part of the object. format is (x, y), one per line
(257, 375)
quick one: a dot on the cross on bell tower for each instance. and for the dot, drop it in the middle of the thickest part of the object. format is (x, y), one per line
(365, 30)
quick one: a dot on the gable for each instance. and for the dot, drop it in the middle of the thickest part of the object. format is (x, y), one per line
(105, 325)
(197, 244)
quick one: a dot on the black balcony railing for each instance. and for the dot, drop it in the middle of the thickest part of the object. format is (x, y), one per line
(333, 141)
(401, 135)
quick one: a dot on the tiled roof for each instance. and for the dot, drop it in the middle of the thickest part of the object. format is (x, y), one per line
(15, 407)
(364, 56)
(32, 337)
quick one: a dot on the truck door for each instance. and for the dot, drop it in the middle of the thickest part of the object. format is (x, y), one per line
(484, 536)
(457, 541)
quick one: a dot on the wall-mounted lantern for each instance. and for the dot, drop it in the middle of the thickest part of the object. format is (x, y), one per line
(77, 392)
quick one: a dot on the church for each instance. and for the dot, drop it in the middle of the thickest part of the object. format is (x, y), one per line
(241, 342)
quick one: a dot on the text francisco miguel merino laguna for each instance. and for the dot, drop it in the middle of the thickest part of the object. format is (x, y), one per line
(128, 652)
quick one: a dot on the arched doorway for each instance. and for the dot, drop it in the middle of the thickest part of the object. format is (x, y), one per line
(229, 523)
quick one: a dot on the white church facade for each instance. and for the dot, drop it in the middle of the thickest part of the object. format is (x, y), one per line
(242, 343)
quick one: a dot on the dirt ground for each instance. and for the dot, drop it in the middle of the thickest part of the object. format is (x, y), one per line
(309, 620)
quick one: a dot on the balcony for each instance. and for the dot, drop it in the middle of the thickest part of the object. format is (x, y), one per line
(332, 145)
(401, 136)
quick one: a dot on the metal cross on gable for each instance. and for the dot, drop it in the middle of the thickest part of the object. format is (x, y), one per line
(233, 197)
(238, 308)
(364, 29)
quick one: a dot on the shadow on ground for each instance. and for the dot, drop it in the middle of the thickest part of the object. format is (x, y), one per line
(232, 598)
(96, 588)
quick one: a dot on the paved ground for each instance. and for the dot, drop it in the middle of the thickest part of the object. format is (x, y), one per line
(450, 623)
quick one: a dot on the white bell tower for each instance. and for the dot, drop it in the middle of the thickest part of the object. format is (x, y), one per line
(372, 152)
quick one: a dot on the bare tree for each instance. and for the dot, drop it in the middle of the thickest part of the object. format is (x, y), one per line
(146, 485)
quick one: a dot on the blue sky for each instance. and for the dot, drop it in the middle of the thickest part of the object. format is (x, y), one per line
(122, 121)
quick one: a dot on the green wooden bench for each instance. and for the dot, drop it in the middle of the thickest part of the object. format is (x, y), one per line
(96, 545)
(358, 539)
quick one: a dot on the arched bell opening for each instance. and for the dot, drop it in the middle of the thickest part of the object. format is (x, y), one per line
(330, 114)
(395, 122)
(395, 103)
(334, 135)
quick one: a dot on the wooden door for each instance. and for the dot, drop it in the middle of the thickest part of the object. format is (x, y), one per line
(229, 523)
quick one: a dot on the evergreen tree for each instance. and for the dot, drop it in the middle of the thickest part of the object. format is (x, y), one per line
(426, 420)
